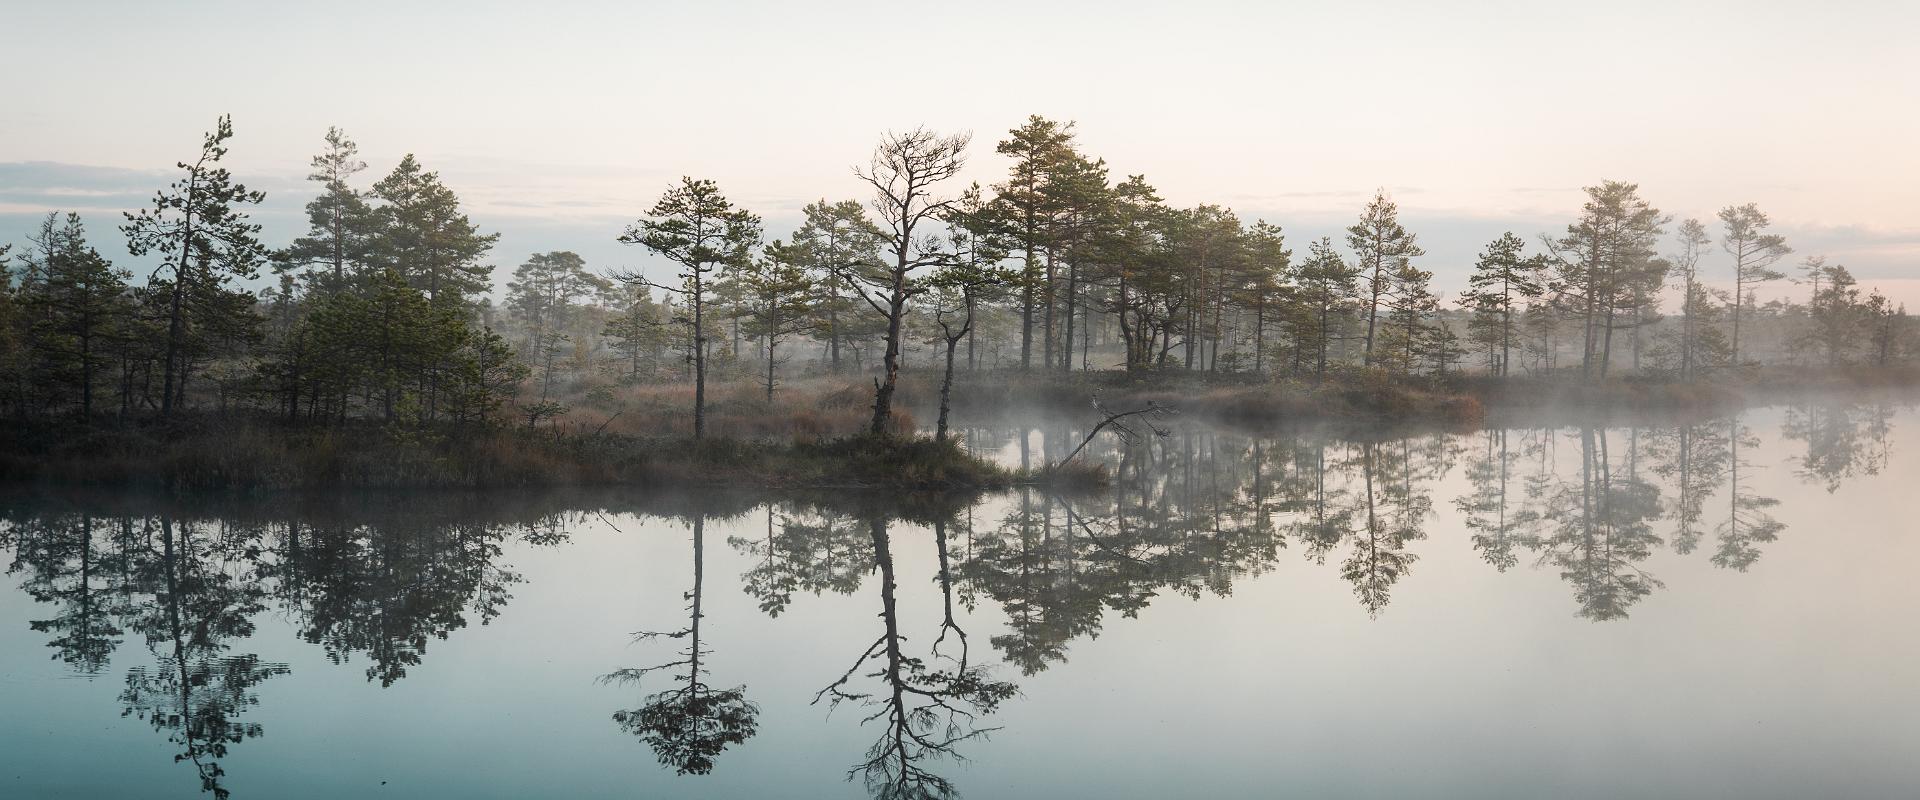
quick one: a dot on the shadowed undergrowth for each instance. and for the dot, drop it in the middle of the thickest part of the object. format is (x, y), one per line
(229, 454)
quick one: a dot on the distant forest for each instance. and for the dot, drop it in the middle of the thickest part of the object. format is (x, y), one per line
(383, 309)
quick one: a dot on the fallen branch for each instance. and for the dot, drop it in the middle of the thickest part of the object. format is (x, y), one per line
(1113, 420)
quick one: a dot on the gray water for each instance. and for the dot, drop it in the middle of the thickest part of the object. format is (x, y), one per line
(1710, 609)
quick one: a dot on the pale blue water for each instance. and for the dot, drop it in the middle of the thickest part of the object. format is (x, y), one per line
(1213, 624)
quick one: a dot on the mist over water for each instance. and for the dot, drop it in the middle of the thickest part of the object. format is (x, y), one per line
(1708, 608)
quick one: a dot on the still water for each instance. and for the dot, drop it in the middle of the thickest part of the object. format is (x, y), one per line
(1715, 608)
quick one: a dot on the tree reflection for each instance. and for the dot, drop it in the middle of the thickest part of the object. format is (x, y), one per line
(1599, 527)
(689, 725)
(812, 552)
(1749, 523)
(64, 566)
(1484, 509)
(194, 605)
(1693, 457)
(388, 589)
(1844, 441)
(1322, 517)
(927, 707)
(1192, 515)
(380, 580)
(1392, 507)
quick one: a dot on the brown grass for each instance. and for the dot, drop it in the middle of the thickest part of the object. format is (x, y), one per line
(805, 409)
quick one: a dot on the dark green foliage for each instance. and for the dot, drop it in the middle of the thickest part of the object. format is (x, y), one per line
(201, 231)
(1503, 279)
(422, 235)
(342, 226)
(694, 226)
(394, 353)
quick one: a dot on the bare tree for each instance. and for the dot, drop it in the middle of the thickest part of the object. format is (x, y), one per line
(904, 171)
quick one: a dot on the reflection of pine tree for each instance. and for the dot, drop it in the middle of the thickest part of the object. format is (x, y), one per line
(1485, 508)
(1036, 569)
(1183, 516)
(386, 589)
(1693, 457)
(199, 601)
(1748, 524)
(689, 725)
(1844, 441)
(1323, 519)
(1601, 530)
(1390, 508)
(811, 553)
(197, 698)
(64, 567)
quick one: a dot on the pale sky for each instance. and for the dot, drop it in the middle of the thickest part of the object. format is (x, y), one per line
(560, 122)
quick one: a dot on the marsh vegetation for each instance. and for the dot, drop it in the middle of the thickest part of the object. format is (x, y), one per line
(375, 349)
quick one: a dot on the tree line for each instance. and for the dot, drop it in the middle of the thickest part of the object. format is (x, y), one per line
(383, 308)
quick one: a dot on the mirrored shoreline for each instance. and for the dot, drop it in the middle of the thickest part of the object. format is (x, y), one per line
(178, 613)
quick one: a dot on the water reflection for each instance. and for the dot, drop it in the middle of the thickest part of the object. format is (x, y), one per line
(381, 583)
(1027, 574)
(690, 724)
(387, 590)
(927, 707)
(1844, 441)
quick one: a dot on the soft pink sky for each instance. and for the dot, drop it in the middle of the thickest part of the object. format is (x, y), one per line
(561, 122)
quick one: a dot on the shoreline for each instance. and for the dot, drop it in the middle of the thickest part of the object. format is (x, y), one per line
(255, 455)
(252, 452)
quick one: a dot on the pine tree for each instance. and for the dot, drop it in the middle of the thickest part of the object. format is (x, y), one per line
(340, 222)
(1889, 333)
(694, 226)
(1264, 289)
(1502, 279)
(1754, 253)
(904, 171)
(1327, 291)
(1836, 315)
(1407, 334)
(13, 350)
(79, 304)
(201, 231)
(1605, 258)
(1693, 240)
(835, 237)
(1036, 149)
(546, 292)
(424, 236)
(639, 331)
(1382, 247)
(778, 296)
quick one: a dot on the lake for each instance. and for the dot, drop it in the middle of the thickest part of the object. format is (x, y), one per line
(1710, 608)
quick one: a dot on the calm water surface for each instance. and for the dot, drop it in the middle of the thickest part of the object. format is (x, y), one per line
(1722, 608)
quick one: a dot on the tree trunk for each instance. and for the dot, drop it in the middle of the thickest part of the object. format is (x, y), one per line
(699, 359)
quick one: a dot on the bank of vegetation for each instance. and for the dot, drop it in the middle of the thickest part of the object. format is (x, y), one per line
(202, 453)
(374, 349)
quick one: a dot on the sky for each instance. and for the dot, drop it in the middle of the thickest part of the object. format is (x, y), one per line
(558, 123)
